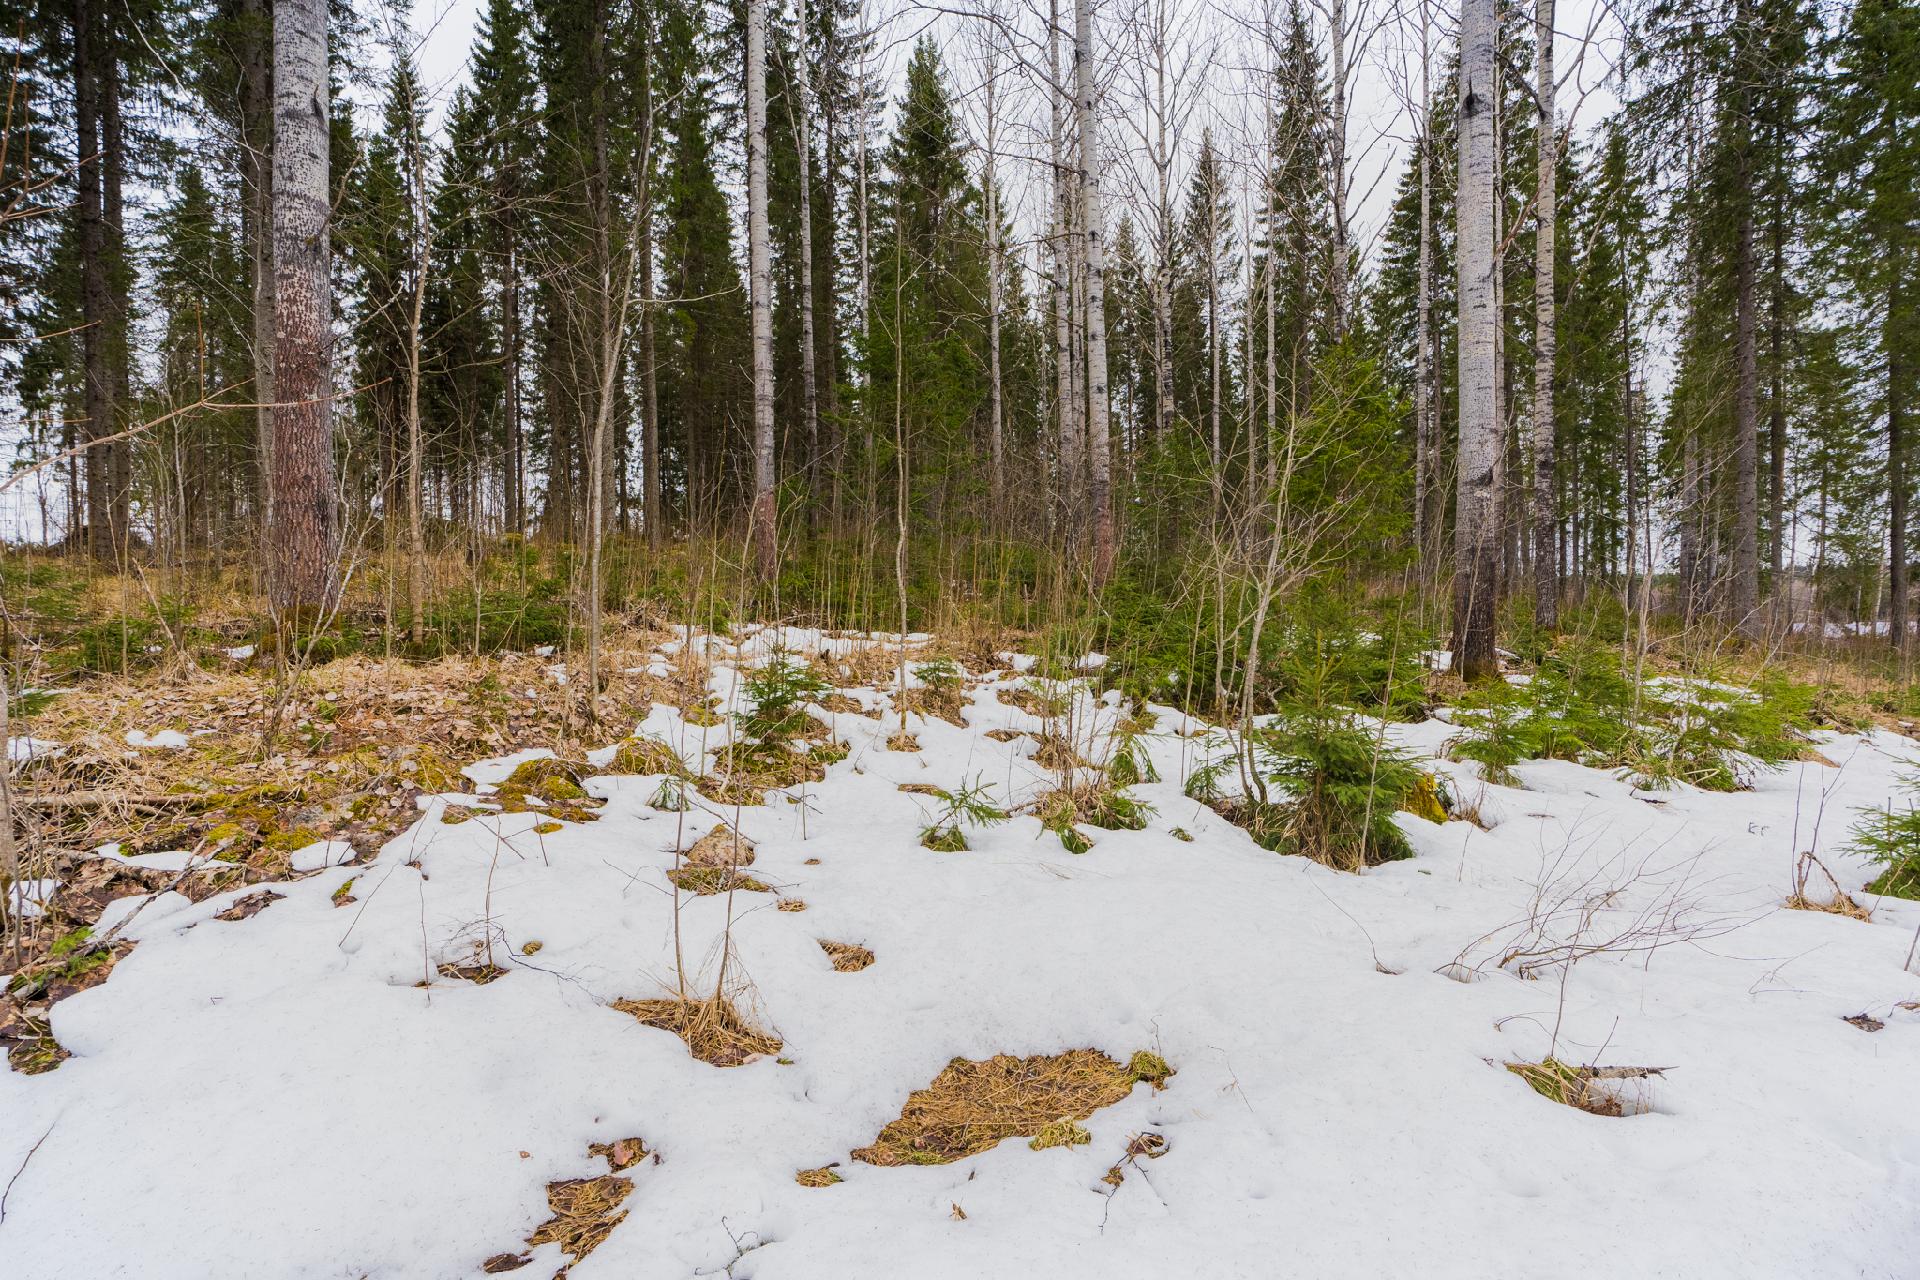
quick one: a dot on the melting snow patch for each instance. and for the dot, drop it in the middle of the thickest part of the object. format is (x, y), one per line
(327, 853)
(165, 740)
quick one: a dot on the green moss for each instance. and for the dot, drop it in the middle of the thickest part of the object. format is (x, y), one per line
(1060, 1133)
(1150, 1068)
(944, 839)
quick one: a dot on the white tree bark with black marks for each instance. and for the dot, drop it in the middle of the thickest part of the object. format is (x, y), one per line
(1094, 264)
(301, 542)
(760, 282)
(1476, 524)
(1546, 524)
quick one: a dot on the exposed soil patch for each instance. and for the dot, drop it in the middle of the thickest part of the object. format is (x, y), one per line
(714, 1031)
(721, 847)
(971, 1106)
(478, 974)
(252, 905)
(847, 957)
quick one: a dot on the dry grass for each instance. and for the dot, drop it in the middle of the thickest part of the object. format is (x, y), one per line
(971, 1106)
(1594, 1090)
(707, 881)
(847, 957)
(824, 1176)
(585, 1212)
(1841, 904)
(904, 742)
(791, 904)
(714, 1031)
(642, 755)
(1052, 751)
(943, 704)
(1034, 701)
(845, 705)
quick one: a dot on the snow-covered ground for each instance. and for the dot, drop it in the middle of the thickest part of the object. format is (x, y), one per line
(279, 1096)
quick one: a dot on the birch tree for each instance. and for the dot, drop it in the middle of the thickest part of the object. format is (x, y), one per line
(1094, 266)
(1546, 523)
(760, 286)
(1476, 524)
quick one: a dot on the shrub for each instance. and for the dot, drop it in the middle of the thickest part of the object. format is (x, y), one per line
(1343, 786)
(1890, 836)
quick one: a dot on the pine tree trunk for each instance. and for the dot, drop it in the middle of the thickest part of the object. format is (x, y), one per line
(302, 542)
(1099, 447)
(1476, 526)
(113, 166)
(1744, 586)
(95, 280)
(760, 281)
(1546, 549)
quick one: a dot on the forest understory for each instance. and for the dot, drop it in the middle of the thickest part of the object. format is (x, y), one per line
(816, 953)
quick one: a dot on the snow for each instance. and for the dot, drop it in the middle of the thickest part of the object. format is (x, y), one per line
(20, 750)
(240, 653)
(165, 740)
(278, 1096)
(326, 853)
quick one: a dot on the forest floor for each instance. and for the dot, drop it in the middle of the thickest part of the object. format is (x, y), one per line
(397, 1003)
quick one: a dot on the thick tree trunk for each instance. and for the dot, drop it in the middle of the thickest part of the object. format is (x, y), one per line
(113, 167)
(1099, 447)
(95, 277)
(1476, 526)
(1546, 522)
(760, 280)
(302, 540)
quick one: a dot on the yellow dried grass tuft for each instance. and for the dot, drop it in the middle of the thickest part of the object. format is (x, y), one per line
(847, 957)
(973, 1105)
(714, 1031)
